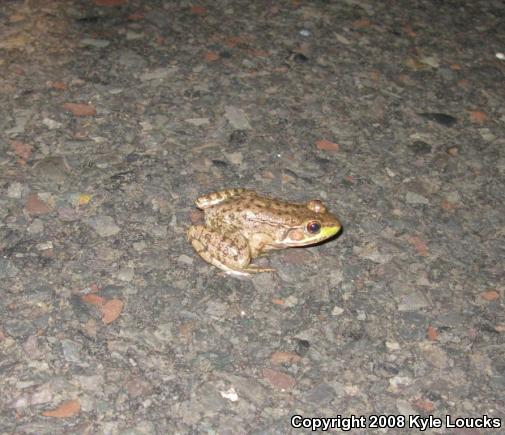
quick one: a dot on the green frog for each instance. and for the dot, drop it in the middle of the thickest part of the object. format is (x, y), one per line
(241, 224)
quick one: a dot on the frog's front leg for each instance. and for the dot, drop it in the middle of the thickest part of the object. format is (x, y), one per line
(229, 252)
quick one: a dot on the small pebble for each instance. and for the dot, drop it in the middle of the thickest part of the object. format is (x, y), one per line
(126, 274)
(235, 158)
(185, 259)
(230, 394)
(198, 121)
(158, 74)
(71, 350)
(104, 226)
(413, 301)
(337, 311)
(44, 246)
(139, 246)
(415, 198)
(98, 43)
(392, 345)
(51, 124)
(453, 151)
(7, 269)
(237, 118)
(290, 301)
(132, 36)
(15, 190)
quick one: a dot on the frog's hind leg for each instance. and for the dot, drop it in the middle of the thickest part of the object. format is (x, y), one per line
(214, 198)
(228, 252)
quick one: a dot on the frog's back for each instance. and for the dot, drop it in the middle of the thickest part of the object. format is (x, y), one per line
(211, 199)
(249, 211)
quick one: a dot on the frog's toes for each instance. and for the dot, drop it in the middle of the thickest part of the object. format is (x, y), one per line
(253, 268)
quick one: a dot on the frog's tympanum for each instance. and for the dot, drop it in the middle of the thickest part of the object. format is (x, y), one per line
(240, 225)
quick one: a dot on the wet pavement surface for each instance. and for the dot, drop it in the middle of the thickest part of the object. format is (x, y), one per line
(115, 116)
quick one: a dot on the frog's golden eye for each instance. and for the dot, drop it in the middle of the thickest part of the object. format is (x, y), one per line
(313, 227)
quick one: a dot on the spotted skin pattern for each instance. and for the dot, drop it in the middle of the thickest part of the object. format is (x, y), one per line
(240, 225)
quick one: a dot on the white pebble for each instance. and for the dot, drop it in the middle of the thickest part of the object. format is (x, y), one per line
(337, 311)
(15, 190)
(230, 394)
(43, 246)
(392, 345)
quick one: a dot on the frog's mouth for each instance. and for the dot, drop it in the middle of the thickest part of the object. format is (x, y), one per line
(299, 237)
(327, 232)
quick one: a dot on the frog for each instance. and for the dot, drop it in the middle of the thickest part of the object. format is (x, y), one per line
(240, 225)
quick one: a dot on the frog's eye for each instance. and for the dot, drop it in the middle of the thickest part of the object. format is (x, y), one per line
(313, 227)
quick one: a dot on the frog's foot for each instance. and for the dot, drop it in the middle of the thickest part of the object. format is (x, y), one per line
(229, 252)
(246, 272)
(253, 268)
(206, 201)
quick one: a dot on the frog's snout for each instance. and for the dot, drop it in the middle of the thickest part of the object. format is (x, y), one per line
(328, 232)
